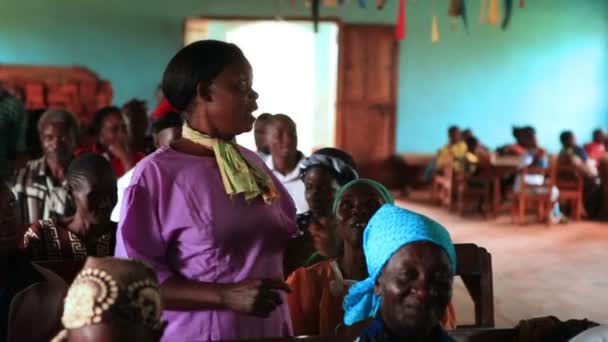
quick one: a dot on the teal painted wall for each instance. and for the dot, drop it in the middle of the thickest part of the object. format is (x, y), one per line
(550, 69)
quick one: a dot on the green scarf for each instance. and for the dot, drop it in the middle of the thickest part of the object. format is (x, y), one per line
(238, 175)
(382, 190)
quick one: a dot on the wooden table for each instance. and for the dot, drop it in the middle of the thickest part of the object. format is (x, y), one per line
(495, 173)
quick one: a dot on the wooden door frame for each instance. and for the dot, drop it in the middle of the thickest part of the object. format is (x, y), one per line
(340, 117)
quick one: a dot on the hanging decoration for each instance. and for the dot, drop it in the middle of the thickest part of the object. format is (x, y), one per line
(458, 9)
(330, 3)
(493, 12)
(400, 30)
(434, 24)
(508, 13)
(482, 12)
(522, 3)
(380, 4)
(362, 4)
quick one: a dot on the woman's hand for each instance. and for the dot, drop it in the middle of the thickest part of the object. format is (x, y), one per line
(254, 297)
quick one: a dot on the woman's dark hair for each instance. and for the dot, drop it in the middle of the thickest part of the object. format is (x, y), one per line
(88, 167)
(197, 64)
(565, 136)
(100, 116)
(339, 154)
(171, 119)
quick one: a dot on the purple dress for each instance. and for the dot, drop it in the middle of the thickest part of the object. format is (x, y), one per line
(177, 217)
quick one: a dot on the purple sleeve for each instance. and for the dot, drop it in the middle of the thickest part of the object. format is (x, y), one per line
(139, 233)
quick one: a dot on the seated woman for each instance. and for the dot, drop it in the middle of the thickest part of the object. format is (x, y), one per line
(516, 149)
(113, 140)
(323, 173)
(411, 263)
(112, 300)
(30, 296)
(40, 184)
(92, 185)
(318, 291)
(596, 149)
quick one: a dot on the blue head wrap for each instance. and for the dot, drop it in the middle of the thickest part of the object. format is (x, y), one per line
(390, 229)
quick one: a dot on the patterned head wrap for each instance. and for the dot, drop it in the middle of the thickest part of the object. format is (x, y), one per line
(382, 190)
(390, 229)
(109, 289)
(339, 163)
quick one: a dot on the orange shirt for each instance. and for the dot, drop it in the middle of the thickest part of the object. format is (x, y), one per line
(316, 301)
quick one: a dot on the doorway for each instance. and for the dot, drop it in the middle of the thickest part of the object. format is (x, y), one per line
(295, 71)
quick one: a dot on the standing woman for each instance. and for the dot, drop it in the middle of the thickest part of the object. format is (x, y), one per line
(206, 214)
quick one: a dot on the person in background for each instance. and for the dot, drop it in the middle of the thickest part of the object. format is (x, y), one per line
(323, 173)
(30, 296)
(318, 290)
(411, 263)
(206, 213)
(135, 113)
(261, 137)
(516, 149)
(113, 140)
(32, 136)
(13, 125)
(536, 156)
(92, 186)
(572, 154)
(285, 159)
(597, 148)
(456, 148)
(112, 300)
(40, 185)
(165, 130)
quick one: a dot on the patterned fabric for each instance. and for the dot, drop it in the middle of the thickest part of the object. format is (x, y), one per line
(377, 332)
(51, 240)
(40, 197)
(339, 168)
(390, 229)
(13, 123)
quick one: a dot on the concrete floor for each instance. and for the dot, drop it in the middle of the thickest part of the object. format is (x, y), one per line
(560, 270)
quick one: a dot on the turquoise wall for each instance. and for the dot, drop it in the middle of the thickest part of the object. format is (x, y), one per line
(550, 69)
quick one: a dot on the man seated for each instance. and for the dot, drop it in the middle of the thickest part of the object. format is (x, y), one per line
(89, 232)
(30, 296)
(285, 159)
(411, 262)
(41, 185)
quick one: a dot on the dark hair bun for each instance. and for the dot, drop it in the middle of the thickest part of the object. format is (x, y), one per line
(199, 62)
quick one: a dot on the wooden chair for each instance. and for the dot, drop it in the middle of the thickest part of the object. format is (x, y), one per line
(475, 269)
(474, 188)
(67, 269)
(443, 189)
(570, 183)
(529, 196)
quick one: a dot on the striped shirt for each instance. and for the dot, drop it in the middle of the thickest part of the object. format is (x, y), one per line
(39, 195)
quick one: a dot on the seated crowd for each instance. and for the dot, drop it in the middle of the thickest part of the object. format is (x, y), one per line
(187, 236)
(466, 156)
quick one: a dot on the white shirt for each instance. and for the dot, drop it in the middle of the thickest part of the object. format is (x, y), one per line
(123, 182)
(292, 183)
